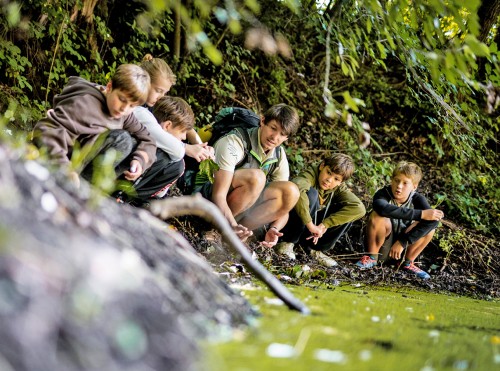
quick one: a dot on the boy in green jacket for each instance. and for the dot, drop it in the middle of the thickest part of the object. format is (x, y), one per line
(325, 210)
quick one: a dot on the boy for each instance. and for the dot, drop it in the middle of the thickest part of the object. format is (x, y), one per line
(326, 208)
(257, 193)
(402, 222)
(171, 122)
(84, 112)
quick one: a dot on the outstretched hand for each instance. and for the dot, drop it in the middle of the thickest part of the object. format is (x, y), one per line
(242, 232)
(200, 152)
(317, 231)
(271, 237)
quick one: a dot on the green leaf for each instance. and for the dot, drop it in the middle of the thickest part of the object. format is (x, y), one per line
(478, 48)
(350, 101)
(381, 48)
(208, 168)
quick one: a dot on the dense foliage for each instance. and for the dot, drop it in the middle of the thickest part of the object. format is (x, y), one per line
(380, 80)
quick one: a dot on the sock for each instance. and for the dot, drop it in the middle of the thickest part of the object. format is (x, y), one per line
(407, 262)
(374, 256)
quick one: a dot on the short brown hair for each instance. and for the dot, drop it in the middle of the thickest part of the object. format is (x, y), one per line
(340, 164)
(176, 110)
(285, 115)
(133, 81)
(157, 69)
(409, 169)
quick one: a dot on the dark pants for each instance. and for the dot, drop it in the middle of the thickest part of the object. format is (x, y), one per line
(154, 182)
(118, 140)
(159, 177)
(295, 231)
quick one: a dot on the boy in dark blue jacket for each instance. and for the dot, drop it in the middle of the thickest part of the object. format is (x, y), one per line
(402, 222)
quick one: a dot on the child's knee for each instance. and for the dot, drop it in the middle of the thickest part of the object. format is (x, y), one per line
(289, 194)
(121, 140)
(252, 178)
(376, 219)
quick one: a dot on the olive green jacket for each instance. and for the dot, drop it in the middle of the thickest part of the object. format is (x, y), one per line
(346, 205)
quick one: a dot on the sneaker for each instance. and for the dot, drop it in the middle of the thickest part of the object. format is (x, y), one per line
(417, 271)
(323, 259)
(366, 262)
(286, 249)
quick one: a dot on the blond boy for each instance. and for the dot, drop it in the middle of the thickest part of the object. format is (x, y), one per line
(402, 222)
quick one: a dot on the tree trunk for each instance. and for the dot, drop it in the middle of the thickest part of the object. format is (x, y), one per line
(488, 14)
(177, 31)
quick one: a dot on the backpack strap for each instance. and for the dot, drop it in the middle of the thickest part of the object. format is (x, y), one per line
(273, 163)
(243, 133)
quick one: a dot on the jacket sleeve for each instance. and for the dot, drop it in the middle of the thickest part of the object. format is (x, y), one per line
(304, 181)
(348, 208)
(383, 207)
(55, 138)
(145, 152)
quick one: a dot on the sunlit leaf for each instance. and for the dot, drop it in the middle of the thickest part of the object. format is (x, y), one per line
(350, 101)
(478, 48)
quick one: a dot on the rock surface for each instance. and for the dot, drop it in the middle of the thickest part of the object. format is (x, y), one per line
(89, 284)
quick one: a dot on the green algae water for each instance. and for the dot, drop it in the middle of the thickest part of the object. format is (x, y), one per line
(362, 328)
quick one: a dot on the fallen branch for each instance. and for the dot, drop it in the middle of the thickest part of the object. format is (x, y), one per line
(197, 205)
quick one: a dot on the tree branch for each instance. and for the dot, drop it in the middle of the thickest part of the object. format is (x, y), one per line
(197, 205)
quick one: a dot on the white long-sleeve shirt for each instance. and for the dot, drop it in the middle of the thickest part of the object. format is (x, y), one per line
(164, 141)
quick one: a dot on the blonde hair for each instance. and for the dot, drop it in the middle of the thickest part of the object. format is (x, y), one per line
(176, 110)
(340, 164)
(133, 81)
(409, 169)
(157, 69)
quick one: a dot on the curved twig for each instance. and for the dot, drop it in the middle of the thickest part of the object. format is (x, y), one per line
(197, 205)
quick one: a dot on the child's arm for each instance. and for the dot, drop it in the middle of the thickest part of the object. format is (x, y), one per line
(145, 153)
(304, 181)
(55, 138)
(421, 211)
(348, 208)
(383, 207)
(196, 148)
(164, 140)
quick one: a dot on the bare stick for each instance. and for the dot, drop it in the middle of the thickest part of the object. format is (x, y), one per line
(197, 205)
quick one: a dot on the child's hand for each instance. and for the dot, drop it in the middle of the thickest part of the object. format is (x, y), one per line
(74, 178)
(242, 232)
(134, 172)
(396, 250)
(315, 239)
(317, 231)
(432, 214)
(271, 237)
(200, 152)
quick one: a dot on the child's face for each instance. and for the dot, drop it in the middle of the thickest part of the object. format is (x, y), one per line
(327, 179)
(401, 187)
(178, 131)
(271, 135)
(119, 103)
(158, 89)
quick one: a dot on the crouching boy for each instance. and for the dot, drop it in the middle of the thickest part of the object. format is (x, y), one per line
(170, 124)
(99, 119)
(402, 222)
(325, 210)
